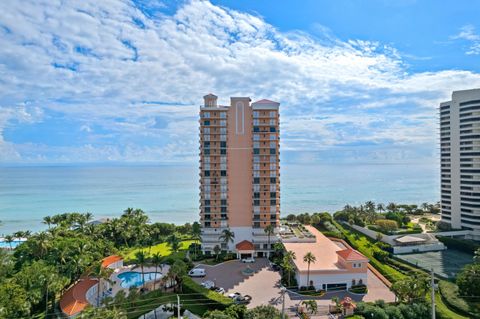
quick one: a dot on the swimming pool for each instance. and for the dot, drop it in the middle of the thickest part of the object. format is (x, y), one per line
(134, 279)
(13, 244)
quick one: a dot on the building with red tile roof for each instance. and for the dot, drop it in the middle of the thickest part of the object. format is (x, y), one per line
(113, 262)
(334, 267)
(75, 300)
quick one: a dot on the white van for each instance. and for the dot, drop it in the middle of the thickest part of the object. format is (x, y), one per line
(197, 272)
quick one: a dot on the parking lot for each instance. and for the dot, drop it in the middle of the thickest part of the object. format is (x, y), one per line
(264, 285)
(229, 274)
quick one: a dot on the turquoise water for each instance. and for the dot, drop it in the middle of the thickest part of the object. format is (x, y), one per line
(12, 245)
(134, 279)
(170, 193)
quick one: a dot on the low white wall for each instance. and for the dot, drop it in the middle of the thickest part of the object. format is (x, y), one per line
(418, 248)
(320, 279)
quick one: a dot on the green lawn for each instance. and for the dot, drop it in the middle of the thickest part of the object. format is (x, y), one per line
(161, 248)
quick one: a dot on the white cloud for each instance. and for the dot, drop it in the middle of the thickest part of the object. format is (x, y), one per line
(469, 34)
(119, 73)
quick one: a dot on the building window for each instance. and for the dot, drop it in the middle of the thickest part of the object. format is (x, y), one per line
(206, 151)
(256, 151)
(224, 202)
(223, 151)
(207, 173)
(206, 123)
(273, 113)
(256, 137)
(223, 144)
(273, 180)
(223, 173)
(273, 137)
(223, 209)
(256, 180)
(223, 123)
(206, 115)
(273, 202)
(256, 114)
(273, 194)
(256, 202)
(273, 145)
(206, 144)
(206, 130)
(207, 202)
(223, 115)
(273, 129)
(273, 166)
(273, 173)
(273, 151)
(256, 159)
(256, 195)
(207, 209)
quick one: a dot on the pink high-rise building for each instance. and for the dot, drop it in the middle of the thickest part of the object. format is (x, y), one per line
(239, 174)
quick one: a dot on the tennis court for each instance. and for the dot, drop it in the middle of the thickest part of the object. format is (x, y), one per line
(446, 263)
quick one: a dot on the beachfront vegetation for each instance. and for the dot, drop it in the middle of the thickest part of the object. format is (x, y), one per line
(38, 271)
(241, 312)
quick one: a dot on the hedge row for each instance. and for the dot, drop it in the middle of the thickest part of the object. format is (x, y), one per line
(464, 245)
(217, 300)
(449, 292)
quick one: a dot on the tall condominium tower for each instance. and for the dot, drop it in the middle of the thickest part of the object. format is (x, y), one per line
(239, 175)
(460, 160)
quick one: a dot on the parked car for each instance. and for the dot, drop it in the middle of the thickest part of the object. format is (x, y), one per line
(275, 267)
(242, 300)
(248, 260)
(219, 290)
(234, 295)
(197, 272)
(208, 284)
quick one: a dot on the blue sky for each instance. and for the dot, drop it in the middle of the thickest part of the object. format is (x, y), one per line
(121, 81)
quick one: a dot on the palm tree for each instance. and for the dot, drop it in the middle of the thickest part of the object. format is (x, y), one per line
(392, 207)
(141, 259)
(157, 261)
(196, 232)
(9, 240)
(227, 236)
(217, 251)
(174, 242)
(269, 230)
(48, 220)
(287, 268)
(102, 274)
(290, 255)
(309, 258)
(380, 207)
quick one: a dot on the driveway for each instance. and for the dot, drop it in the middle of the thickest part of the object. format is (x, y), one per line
(229, 274)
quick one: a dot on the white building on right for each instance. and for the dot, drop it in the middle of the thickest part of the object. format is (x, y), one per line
(460, 160)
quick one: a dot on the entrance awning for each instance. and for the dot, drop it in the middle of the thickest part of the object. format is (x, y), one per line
(245, 246)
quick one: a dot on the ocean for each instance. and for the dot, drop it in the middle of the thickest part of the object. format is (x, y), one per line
(170, 193)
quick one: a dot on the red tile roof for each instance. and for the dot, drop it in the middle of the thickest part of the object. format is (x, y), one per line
(107, 261)
(74, 300)
(351, 255)
(245, 245)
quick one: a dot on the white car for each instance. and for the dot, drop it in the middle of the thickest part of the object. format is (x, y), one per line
(220, 290)
(234, 295)
(208, 284)
(197, 272)
(248, 260)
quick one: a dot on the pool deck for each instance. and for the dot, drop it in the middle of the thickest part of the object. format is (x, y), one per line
(116, 287)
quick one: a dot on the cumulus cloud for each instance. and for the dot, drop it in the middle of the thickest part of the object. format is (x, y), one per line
(132, 77)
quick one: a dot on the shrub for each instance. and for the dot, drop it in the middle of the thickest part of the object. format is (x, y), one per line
(381, 255)
(468, 280)
(387, 225)
(359, 289)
